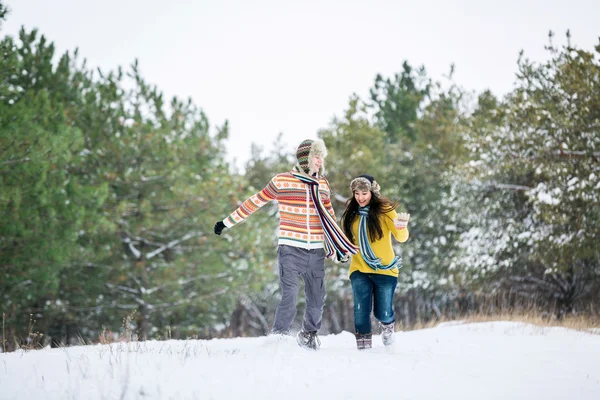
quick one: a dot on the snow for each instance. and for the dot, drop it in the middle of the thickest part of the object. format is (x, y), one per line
(492, 360)
(547, 198)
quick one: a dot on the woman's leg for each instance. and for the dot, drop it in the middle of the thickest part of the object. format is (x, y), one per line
(383, 294)
(362, 288)
(384, 287)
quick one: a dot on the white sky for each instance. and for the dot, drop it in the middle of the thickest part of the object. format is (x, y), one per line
(491, 361)
(273, 66)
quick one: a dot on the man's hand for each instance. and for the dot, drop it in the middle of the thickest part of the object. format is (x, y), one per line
(219, 226)
(342, 258)
(402, 221)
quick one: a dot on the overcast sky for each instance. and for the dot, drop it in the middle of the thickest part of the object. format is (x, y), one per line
(273, 66)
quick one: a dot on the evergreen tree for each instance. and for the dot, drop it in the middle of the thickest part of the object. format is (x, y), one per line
(423, 122)
(42, 201)
(108, 199)
(538, 156)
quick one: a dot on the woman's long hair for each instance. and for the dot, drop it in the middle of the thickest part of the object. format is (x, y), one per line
(378, 207)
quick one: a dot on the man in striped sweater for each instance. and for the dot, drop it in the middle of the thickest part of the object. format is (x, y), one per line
(308, 233)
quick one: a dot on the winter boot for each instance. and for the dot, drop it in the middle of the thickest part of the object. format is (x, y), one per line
(308, 340)
(387, 333)
(363, 341)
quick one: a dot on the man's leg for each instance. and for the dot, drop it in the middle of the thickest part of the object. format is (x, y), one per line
(288, 282)
(314, 289)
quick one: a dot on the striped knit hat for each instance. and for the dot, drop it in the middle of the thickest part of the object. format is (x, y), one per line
(308, 149)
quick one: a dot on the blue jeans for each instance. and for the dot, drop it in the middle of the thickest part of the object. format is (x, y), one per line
(372, 292)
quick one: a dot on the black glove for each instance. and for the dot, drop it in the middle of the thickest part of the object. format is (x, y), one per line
(219, 226)
(342, 258)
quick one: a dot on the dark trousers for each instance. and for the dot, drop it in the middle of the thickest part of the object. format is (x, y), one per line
(372, 292)
(293, 263)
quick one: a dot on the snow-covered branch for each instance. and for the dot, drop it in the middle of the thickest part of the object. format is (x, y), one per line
(338, 197)
(122, 288)
(507, 186)
(185, 300)
(183, 282)
(172, 244)
(16, 161)
(251, 308)
(145, 179)
(136, 253)
(577, 154)
(559, 154)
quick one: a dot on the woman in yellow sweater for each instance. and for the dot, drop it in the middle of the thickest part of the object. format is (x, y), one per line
(370, 221)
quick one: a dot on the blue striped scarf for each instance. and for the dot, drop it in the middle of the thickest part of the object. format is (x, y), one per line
(335, 240)
(365, 247)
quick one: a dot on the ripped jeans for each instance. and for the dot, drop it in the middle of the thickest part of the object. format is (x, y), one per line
(372, 292)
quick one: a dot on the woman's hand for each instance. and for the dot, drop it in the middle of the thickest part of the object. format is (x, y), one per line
(401, 221)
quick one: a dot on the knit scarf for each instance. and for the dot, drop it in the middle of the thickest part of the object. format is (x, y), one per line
(336, 243)
(365, 247)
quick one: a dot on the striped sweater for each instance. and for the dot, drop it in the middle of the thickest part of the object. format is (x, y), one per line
(299, 223)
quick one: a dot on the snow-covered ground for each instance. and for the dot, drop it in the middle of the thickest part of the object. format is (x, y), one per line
(492, 360)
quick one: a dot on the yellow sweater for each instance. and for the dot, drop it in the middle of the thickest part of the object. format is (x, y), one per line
(382, 247)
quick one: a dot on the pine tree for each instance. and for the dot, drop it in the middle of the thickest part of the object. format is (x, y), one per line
(42, 201)
(537, 157)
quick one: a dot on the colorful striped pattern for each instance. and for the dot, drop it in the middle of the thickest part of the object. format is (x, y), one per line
(302, 154)
(382, 248)
(300, 222)
(365, 247)
(336, 243)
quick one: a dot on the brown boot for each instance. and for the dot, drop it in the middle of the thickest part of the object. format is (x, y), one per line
(363, 341)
